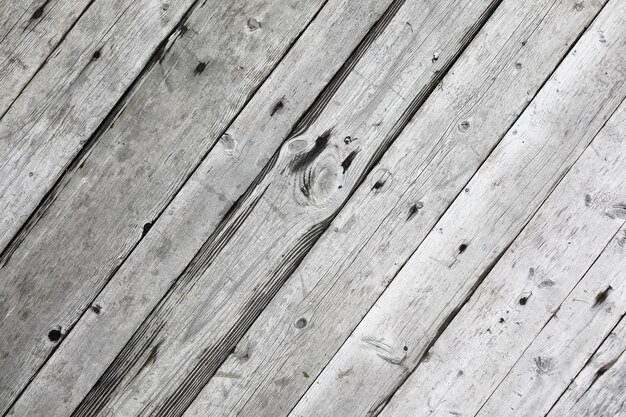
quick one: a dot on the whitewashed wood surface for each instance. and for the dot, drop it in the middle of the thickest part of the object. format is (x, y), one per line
(132, 170)
(598, 389)
(331, 207)
(226, 288)
(229, 169)
(371, 238)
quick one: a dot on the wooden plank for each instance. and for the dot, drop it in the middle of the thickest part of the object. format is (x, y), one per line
(67, 100)
(538, 273)
(247, 259)
(568, 340)
(228, 170)
(598, 389)
(29, 32)
(130, 174)
(371, 238)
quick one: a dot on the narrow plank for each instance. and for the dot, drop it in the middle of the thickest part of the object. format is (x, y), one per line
(535, 277)
(264, 237)
(598, 389)
(131, 172)
(569, 339)
(29, 32)
(228, 170)
(371, 238)
(66, 101)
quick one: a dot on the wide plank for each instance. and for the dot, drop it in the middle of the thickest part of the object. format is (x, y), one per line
(536, 276)
(67, 100)
(380, 227)
(110, 197)
(29, 32)
(315, 61)
(598, 390)
(231, 279)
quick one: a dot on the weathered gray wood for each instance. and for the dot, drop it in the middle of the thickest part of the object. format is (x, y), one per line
(98, 213)
(67, 100)
(371, 238)
(170, 245)
(598, 389)
(573, 334)
(29, 32)
(189, 333)
(541, 269)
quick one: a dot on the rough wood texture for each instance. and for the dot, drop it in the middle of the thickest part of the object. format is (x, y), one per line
(278, 207)
(63, 105)
(573, 334)
(29, 32)
(598, 390)
(371, 238)
(132, 171)
(225, 287)
(544, 264)
(228, 170)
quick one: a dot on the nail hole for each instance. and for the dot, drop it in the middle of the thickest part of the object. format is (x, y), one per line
(146, 229)
(301, 323)
(96, 309)
(54, 335)
(200, 68)
(253, 24)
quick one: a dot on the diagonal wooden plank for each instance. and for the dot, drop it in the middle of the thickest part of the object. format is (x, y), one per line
(598, 389)
(535, 278)
(117, 186)
(29, 32)
(228, 170)
(68, 99)
(570, 337)
(371, 238)
(197, 323)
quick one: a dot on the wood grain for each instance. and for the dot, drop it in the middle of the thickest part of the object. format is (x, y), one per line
(598, 389)
(230, 167)
(29, 32)
(570, 337)
(109, 199)
(68, 99)
(265, 235)
(371, 238)
(537, 273)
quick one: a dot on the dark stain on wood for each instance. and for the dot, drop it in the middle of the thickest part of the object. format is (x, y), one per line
(200, 68)
(348, 161)
(414, 209)
(39, 12)
(602, 296)
(522, 301)
(277, 107)
(304, 160)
